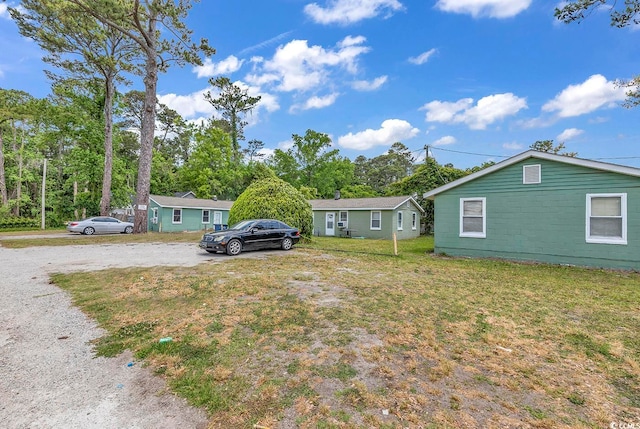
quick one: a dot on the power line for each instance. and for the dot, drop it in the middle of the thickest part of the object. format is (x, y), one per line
(468, 153)
(505, 156)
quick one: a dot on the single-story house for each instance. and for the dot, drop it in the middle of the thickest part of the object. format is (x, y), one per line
(538, 206)
(378, 217)
(178, 214)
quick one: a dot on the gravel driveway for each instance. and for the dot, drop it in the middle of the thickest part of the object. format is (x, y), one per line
(49, 377)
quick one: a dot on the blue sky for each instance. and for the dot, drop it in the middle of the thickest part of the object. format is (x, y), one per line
(475, 80)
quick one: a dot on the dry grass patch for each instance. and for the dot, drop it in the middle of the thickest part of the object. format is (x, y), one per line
(323, 339)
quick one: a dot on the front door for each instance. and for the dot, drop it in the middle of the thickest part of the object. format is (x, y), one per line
(330, 228)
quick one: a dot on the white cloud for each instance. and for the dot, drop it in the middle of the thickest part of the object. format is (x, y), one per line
(316, 102)
(513, 146)
(444, 141)
(487, 110)
(227, 66)
(365, 85)
(350, 11)
(390, 131)
(423, 57)
(4, 13)
(591, 95)
(489, 8)
(190, 105)
(569, 134)
(194, 105)
(297, 66)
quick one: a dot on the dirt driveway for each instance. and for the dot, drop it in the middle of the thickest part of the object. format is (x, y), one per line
(49, 375)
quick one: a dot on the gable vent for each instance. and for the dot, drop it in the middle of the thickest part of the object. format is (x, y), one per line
(531, 174)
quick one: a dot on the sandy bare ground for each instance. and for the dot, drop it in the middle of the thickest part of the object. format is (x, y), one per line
(49, 376)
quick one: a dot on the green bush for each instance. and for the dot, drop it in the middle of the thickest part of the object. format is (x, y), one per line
(273, 198)
(14, 222)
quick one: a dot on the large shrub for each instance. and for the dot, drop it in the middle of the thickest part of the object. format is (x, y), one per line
(273, 198)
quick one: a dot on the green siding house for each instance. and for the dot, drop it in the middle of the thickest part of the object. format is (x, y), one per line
(178, 214)
(542, 207)
(367, 217)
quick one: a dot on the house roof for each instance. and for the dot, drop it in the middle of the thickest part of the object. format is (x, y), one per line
(597, 165)
(376, 203)
(192, 203)
(188, 194)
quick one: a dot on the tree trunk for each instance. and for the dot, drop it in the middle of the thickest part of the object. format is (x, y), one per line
(105, 201)
(4, 199)
(75, 194)
(147, 131)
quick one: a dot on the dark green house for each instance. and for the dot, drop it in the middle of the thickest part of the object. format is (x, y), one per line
(186, 213)
(379, 217)
(542, 207)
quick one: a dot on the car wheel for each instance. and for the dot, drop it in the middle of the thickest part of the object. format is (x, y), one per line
(128, 230)
(287, 244)
(234, 247)
(88, 231)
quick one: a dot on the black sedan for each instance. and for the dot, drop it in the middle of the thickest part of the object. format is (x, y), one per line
(251, 235)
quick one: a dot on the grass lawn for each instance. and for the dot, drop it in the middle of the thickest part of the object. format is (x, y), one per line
(327, 336)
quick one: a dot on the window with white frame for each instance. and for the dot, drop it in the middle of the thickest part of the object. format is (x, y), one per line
(343, 219)
(399, 221)
(606, 218)
(206, 216)
(177, 216)
(414, 221)
(473, 219)
(376, 220)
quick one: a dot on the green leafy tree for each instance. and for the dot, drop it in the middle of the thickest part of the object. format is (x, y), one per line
(253, 149)
(13, 108)
(427, 176)
(273, 198)
(623, 14)
(549, 147)
(313, 164)
(211, 169)
(233, 103)
(358, 191)
(84, 49)
(158, 28)
(383, 170)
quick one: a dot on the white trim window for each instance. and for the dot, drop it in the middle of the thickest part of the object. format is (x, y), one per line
(531, 174)
(399, 221)
(343, 219)
(177, 216)
(206, 216)
(414, 221)
(473, 217)
(606, 218)
(376, 220)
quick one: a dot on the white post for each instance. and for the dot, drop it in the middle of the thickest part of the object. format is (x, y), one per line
(44, 185)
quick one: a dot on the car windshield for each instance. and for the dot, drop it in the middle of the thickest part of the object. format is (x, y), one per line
(244, 225)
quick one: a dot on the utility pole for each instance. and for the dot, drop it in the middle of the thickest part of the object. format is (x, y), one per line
(426, 155)
(44, 187)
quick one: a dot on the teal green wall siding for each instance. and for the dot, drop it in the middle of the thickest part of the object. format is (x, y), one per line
(360, 222)
(543, 222)
(191, 219)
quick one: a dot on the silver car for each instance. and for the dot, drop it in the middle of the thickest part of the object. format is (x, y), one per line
(100, 225)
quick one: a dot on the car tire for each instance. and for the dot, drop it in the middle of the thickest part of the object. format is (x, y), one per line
(286, 244)
(234, 247)
(128, 230)
(88, 231)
